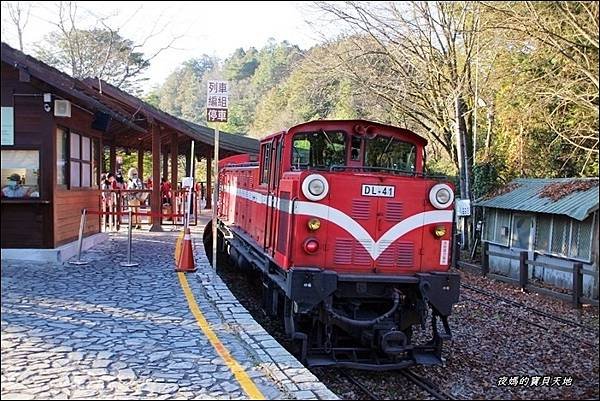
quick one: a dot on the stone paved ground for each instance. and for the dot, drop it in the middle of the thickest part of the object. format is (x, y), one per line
(106, 331)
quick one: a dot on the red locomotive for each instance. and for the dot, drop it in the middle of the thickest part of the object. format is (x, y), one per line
(352, 238)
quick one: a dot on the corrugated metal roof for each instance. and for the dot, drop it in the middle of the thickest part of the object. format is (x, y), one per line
(525, 197)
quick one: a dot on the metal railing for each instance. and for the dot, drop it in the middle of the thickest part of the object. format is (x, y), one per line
(116, 203)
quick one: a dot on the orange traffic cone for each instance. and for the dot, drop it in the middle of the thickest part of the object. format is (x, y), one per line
(186, 258)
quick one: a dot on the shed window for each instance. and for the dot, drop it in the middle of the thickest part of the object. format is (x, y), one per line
(83, 161)
(581, 238)
(62, 147)
(502, 227)
(20, 173)
(497, 226)
(542, 233)
(521, 230)
(490, 224)
(560, 235)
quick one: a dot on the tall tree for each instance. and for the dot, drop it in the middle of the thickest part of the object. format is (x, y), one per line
(554, 57)
(19, 16)
(416, 56)
(99, 51)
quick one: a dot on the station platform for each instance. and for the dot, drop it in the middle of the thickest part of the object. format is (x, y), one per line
(104, 331)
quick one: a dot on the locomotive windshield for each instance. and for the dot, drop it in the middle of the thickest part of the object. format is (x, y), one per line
(389, 153)
(320, 149)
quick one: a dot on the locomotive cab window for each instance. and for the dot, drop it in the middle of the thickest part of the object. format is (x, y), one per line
(320, 150)
(390, 154)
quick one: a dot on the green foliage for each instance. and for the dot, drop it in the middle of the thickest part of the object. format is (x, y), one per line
(537, 106)
(98, 53)
(485, 178)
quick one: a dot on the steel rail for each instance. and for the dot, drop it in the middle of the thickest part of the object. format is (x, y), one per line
(535, 310)
(426, 385)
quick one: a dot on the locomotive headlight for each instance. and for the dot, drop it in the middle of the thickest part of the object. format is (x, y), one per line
(441, 196)
(314, 224)
(439, 231)
(315, 187)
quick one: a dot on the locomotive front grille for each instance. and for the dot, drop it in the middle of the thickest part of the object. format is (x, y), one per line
(399, 254)
(349, 251)
(343, 251)
(361, 209)
(393, 211)
(406, 250)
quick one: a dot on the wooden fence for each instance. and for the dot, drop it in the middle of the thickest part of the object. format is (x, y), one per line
(577, 270)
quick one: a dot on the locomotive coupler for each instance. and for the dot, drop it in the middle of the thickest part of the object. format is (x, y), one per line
(394, 342)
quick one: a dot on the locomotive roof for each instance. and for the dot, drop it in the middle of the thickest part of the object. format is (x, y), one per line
(402, 131)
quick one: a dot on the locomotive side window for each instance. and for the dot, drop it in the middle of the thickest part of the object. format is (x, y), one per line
(318, 149)
(389, 153)
(277, 157)
(266, 160)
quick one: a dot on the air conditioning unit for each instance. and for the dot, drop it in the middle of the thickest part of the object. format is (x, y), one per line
(62, 108)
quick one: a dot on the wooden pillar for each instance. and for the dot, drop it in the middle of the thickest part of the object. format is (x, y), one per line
(174, 171)
(577, 284)
(156, 201)
(485, 259)
(523, 270)
(165, 164)
(113, 158)
(208, 182)
(140, 163)
(174, 155)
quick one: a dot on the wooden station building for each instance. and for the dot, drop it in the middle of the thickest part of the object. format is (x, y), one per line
(55, 129)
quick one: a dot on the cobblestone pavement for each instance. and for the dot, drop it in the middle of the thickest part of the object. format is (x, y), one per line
(106, 331)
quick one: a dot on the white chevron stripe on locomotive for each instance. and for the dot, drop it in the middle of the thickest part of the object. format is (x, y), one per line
(342, 220)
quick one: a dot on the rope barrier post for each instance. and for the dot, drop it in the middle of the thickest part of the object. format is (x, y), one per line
(129, 263)
(80, 241)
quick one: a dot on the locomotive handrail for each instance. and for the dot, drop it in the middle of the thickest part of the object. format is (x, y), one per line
(340, 167)
(372, 168)
(365, 323)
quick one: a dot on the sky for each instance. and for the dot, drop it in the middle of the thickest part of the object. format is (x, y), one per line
(213, 28)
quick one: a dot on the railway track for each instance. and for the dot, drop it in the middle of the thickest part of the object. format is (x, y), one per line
(527, 321)
(418, 380)
(357, 383)
(530, 308)
(426, 385)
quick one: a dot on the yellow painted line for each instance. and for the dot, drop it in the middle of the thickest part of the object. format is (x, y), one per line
(240, 374)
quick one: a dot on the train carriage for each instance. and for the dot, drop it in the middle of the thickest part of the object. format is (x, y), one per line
(352, 238)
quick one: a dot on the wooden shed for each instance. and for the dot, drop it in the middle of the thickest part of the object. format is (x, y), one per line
(55, 129)
(52, 136)
(553, 222)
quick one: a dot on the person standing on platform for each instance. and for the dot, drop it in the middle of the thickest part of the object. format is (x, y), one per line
(165, 190)
(134, 197)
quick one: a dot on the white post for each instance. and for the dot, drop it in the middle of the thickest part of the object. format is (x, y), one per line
(215, 199)
(189, 195)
